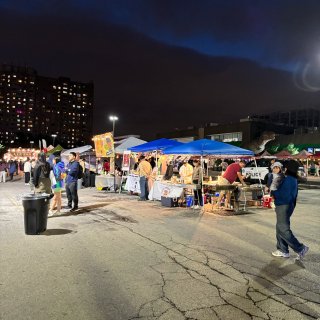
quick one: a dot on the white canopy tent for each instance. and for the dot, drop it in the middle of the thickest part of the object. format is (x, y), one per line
(124, 144)
(76, 150)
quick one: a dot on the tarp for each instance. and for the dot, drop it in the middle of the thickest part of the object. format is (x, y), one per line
(125, 144)
(57, 148)
(77, 150)
(284, 154)
(206, 147)
(156, 145)
(302, 155)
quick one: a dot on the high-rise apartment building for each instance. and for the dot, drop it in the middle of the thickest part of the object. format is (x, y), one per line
(34, 107)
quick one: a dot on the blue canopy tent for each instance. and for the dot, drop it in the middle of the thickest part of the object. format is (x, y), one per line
(156, 145)
(205, 147)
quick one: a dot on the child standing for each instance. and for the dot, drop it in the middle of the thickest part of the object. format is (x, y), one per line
(277, 176)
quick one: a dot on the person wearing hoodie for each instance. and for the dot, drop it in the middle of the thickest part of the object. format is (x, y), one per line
(285, 198)
(57, 175)
(41, 175)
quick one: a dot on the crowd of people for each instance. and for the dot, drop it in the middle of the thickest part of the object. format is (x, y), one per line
(49, 178)
(52, 178)
(8, 169)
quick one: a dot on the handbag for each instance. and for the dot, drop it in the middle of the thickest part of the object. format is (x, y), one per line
(53, 179)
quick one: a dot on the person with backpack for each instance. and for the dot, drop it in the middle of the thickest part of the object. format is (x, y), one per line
(57, 185)
(73, 172)
(41, 175)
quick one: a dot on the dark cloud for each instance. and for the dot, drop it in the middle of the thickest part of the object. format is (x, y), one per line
(151, 86)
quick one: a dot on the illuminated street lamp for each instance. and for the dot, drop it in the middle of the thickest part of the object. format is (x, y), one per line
(113, 119)
(54, 137)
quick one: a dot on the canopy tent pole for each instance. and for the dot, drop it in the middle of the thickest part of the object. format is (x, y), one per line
(202, 189)
(260, 184)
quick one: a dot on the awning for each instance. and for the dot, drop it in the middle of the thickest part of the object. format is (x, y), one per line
(156, 145)
(206, 147)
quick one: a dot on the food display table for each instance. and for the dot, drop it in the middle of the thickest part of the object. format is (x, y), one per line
(241, 196)
(167, 189)
(105, 181)
(133, 183)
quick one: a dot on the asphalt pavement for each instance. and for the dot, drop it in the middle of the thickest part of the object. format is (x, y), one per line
(118, 258)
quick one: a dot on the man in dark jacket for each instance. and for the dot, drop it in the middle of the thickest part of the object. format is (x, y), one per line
(72, 181)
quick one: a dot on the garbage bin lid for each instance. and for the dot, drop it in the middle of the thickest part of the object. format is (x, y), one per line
(35, 196)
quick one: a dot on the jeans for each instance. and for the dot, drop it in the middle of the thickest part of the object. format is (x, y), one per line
(198, 196)
(26, 177)
(285, 237)
(72, 194)
(144, 188)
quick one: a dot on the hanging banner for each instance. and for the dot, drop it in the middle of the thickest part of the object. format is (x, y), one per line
(104, 145)
(126, 161)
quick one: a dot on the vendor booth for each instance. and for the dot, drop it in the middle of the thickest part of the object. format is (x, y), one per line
(207, 148)
(156, 146)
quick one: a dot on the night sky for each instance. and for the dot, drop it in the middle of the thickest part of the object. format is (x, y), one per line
(165, 64)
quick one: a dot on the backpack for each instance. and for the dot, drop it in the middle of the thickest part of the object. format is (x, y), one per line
(80, 172)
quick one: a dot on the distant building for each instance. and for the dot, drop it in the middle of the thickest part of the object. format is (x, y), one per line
(238, 133)
(34, 107)
(303, 120)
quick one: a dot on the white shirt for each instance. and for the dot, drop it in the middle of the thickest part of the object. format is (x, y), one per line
(27, 166)
(186, 173)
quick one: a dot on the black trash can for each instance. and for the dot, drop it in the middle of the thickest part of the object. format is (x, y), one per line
(36, 207)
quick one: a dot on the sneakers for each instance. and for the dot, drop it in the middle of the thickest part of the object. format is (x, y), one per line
(51, 213)
(74, 209)
(302, 253)
(196, 207)
(279, 253)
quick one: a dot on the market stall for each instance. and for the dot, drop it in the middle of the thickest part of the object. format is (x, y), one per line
(209, 148)
(121, 150)
(156, 146)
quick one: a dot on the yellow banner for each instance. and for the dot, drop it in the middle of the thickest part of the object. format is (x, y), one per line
(104, 145)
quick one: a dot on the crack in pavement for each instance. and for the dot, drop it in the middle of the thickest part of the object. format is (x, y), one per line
(197, 270)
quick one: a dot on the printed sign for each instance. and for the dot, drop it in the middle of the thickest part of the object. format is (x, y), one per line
(126, 161)
(104, 145)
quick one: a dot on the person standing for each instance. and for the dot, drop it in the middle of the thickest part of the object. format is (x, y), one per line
(106, 166)
(197, 176)
(285, 198)
(144, 171)
(232, 173)
(41, 175)
(33, 165)
(185, 172)
(72, 182)
(12, 169)
(3, 171)
(27, 171)
(317, 169)
(57, 172)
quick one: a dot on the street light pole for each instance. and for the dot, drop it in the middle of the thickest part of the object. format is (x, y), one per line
(114, 119)
(54, 137)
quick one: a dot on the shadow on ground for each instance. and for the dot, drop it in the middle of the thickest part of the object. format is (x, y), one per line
(57, 232)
